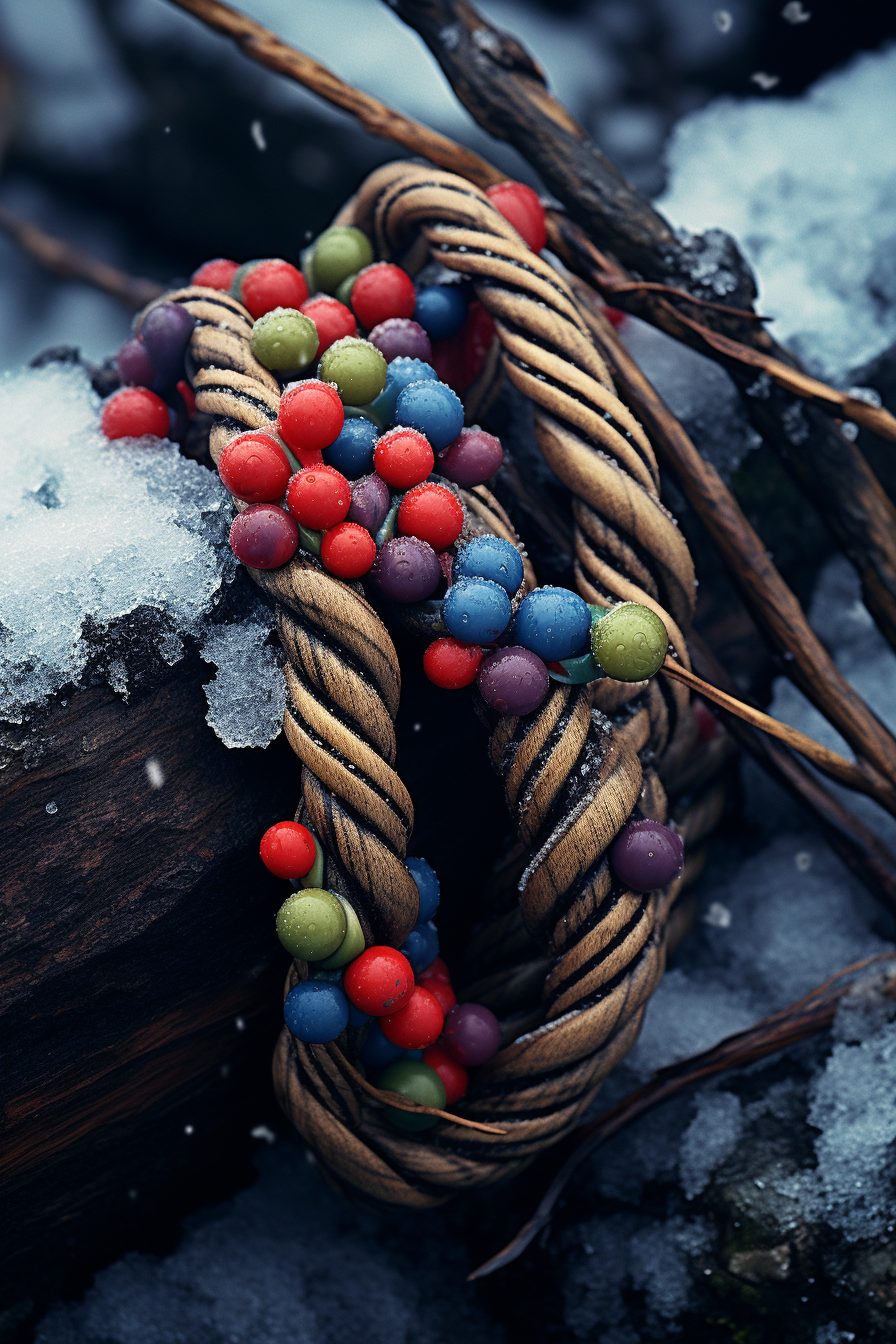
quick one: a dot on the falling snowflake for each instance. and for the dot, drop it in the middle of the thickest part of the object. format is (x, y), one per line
(793, 12)
(256, 130)
(765, 81)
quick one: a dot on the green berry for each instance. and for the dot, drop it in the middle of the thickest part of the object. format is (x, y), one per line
(353, 943)
(315, 876)
(417, 1082)
(284, 340)
(311, 924)
(630, 642)
(356, 367)
(338, 253)
(344, 289)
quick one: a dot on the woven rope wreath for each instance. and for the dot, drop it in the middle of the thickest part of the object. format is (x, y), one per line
(574, 771)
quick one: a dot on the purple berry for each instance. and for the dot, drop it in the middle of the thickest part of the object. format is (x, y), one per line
(264, 536)
(406, 570)
(513, 680)
(471, 1035)
(165, 332)
(399, 337)
(472, 458)
(370, 502)
(135, 365)
(646, 855)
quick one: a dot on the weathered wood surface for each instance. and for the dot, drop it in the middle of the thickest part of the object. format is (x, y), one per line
(137, 929)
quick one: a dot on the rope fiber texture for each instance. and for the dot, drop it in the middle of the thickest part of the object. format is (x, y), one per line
(569, 968)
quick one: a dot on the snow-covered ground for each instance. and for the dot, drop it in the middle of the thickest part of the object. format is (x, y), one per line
(96, 533)
(808, 188)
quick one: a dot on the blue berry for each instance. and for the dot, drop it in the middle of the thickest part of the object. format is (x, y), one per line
(402, 372)
(427, 886)
(476, 611)
(352, 451)
(491, 558)
(421, 947)
(377, 1052)
(553, 622)
(316, 1011)
(441, 311)
(433, 409)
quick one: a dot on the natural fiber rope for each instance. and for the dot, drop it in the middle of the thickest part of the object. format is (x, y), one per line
(572, 776)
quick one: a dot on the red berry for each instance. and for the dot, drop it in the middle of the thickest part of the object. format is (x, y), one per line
(348, 550)
(273, 284)
(460, 360)
(432, 513)
(217, 274)
(254, 467)
(264, 536)
(332, 319)
(451, 664)
(521, 207)
(288, 849)
(319, 497)
(403, 457)
(379, 981)
(417, 1024)
(436, 970)
(454, 1076)
(708, 725)
(134, 411)
(311, 417)
(443, 993)
(382, 291)
(614, 315)
(188, 397)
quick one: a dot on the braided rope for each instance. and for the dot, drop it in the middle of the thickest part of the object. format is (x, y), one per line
(572, 774)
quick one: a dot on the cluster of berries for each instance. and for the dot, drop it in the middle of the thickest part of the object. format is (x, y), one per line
(419, 1041)
(344, 474)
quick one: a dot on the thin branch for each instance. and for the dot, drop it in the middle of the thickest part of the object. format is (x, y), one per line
(261, 45)
(571, 241)
(72, 263)
(771, 603)
(400, 1103)
(863, 852)
(500, 86)
(855, 775)
(810, 1015)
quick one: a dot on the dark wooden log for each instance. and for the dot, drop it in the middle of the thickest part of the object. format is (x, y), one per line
(139, 974)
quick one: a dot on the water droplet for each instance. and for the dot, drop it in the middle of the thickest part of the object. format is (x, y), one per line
(52, 809)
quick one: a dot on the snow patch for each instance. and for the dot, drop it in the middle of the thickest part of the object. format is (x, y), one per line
(808, 187)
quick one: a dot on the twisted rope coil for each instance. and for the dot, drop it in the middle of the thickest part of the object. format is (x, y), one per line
(573, 772)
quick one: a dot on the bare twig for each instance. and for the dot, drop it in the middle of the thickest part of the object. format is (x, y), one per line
(863, 852)
(400, 1103)
(812, 1014)
(261, 45)
(615, 285)
(503, 89)
(855, 775)
(771, 603)
(72, 263)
